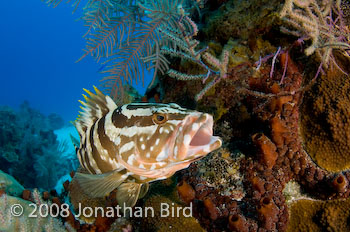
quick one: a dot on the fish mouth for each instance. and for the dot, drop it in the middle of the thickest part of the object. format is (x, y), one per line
(195, 138)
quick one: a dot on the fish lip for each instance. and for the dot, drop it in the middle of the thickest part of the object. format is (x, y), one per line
(201, 140)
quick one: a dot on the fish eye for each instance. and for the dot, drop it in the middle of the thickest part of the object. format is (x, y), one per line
(159, 118)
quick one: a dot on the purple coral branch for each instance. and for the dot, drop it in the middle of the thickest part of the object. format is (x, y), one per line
(285, 69)
(258, 63)
(206, 77)
(274, 61)
(263, 60)
(335, 63)
(202, 50)
(195, 30)
(318, 72)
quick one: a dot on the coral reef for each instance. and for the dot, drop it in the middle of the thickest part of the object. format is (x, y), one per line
(162, 194)
(28, 144)
(278, 157)
(282, 112)
(325, 121)
(221, 171)
(24, 222)
(244, 19)
(267, 150)
(316, 215)
(237, 223)
(186, 192)
(55, 121)
(321, 22)
(17, 214)
(166, 193)
(169, 223)
(10, 185)
(340, 183)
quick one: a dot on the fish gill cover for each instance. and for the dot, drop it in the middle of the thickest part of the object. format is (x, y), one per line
(274, 74)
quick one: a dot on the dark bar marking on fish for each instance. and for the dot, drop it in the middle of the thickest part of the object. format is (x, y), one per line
(105, 140)
(86, 157)
(80, 153)
(104, 166)
(119, 119)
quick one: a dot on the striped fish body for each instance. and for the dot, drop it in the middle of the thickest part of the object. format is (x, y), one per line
(126, 147)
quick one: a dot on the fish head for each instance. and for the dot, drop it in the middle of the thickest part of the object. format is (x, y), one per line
(190, 138)
(164, 137)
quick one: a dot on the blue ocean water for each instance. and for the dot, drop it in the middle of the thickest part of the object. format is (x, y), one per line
(39, 49)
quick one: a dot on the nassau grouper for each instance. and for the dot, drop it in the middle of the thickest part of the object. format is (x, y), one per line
(127, 147)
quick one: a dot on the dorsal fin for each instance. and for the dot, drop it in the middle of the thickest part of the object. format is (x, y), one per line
(95, 107)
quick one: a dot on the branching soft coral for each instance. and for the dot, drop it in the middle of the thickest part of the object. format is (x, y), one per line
(132, 36)
(125, 35)
(321, 22)
(186, 50)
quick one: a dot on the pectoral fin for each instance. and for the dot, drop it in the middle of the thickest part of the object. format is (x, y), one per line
(99, 185)
(128, 193)
(144, 190)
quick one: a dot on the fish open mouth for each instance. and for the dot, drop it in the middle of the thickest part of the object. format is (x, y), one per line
(197, 138)
(202, 136)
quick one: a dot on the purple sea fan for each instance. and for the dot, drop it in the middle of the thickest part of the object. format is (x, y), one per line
(321, 22)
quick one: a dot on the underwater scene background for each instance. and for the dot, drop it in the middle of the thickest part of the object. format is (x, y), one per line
(261, 89)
